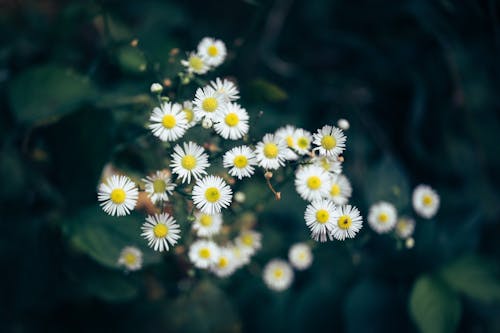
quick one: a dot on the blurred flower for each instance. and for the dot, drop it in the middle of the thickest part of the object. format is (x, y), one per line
(382, 217)
(320, 218)
(187, 108)
(270, 152)
(425, 201)
(240, 197)
(213, 51)
(405, 227)
(343, 124)
(231, 122)
(211, 194)
(300, 256)
(249, 241)
(240, 256)
(159, 186)
(340, 189)
(195, 64)
(328, 163)
(160, 230)
(330, 141)
(240, 161)
(203, 253)
(227, 89)
(131, 258)
(118, 195)
(156, 88)
(312, 182)
(225, 263)
(207, 102)
(168, 122)
(287, 134)
(207, 225)
(278, 275)
(348, 222)
(190, 161)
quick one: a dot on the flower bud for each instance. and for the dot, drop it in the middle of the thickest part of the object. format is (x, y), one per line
(343, 124)
(156, 88)
(207, 123)
(239, 197)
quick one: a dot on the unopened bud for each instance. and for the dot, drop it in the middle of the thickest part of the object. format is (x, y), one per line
(156, 88)
(268, 175)
(343, 124)
(239, 197)
(207, 123)
(410, 243)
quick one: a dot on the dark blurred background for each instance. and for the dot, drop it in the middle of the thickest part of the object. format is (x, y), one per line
(418, 81)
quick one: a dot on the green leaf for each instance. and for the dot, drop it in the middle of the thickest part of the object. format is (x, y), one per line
(266, 91)
(131, 59)
(433, 306)
(109, 286)
(102, 237)
(44, 94)
(473, 276)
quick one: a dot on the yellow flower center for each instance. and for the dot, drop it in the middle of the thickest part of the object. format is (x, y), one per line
(130, 258)
(160, 230)
(328, 142)
(204, 253)
(427, 200)
(212, 51)
(159, 186)
(278, 273)
(303, 143)
(212, 194)
(247, 240)
(302, 256)
(325, 164)
(383, 217)
(232, 119)
(118, 196)
(223, 262)
(270, 150)
(240, 161)
(289, 141)
(322, 216)
(189, 114)
(335, 190)
(313, 182)
(195, 63)
(206, 220)
(344, 222)
(188, 162)
(401, 226)
(210, 104)
(168, 121)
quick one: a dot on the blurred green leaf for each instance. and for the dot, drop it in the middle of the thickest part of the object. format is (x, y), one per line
(473, 276)
(433, 306)
(44, 94)
(109, 286)
(266, 91)
(131, 59)
(102, 237)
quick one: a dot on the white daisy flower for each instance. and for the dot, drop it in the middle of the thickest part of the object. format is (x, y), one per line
(278, 275)
(207, 102)
(231, 122)
(131, 258)
(382, 217)
(347, 222)
(287, 134)
(240, 255)
(213, 51)
(211, 194)
(303, 140)
(189, 162)
(207, 225)
(312, 182)
(195, 64)
(240, 161)
(187, 108)
(160, 230)
(330, 141)
(168, 122)
(118, 195)
(425, 201)
(249, 241)
(203, 253)
(300, 256)
(159, 186)
(270, 152)
(320, 218)
(405, 227)
(340, 189)
(226, 88)
(328, 163)
(225, 264)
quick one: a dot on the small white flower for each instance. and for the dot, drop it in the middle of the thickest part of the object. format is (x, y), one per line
(278, 275)
(189, 162)
(348, 222)
(225, 264)
(207, 102)
(156, 88)
(249, 241)
(131, 258)
(328, 163)
(160, 230)
(203, 253)
(240, 256)
(195, 64)
(343, 124)
(287, 134)
(271, 152)
(425, 201)
(187, 108)
(382, 217)
(240, 161)
(118, 195)
(227, 89)
(213, 51)
(330, 141)
(405, 227)
(231, 122)
(300, 256)
(303, 140)
(312, 182)
(168, 122)
(320, 218)
(211, 194)
(207, 225)
(159, 186)
(340, 189)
